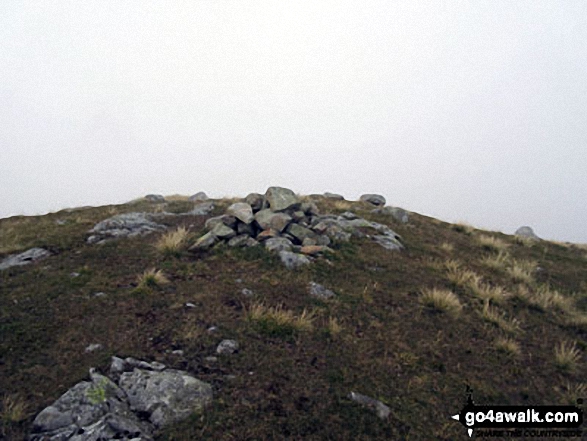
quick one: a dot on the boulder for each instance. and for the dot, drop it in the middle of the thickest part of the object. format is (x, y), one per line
(319, 291)
(293, 260)
(281, 199)
(527, 233)
(389, 242)
(29, 256)
(239, 241)
(227, 347)
(202, 209)
(309, 208)
(267, 234)
(377, 406)
(248, 229)
(199, 196)
(205, 242)
(312, 250)
(123, 225)
(375, 199)
(155, 198)
(300, 232)
(222, 231)
(256, 201)
(277, 244)
(399, 214)
(242, 211)
(334, 196)
(229, 221)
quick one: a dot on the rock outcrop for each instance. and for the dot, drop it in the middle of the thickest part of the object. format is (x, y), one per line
(375, 199)
(135, 400)
(399, 214)
(526, 232)
(199, 196)
(292, 229)
(25, 258)
(155, 198)
(123, 225)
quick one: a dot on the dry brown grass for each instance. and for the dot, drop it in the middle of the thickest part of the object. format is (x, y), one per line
(177, 198)
(151, 279)
(342, 205)
(491, 243)
(446, 246)
(498, 318)
(567, 356)
(486, 292)
(14, 409)
(571, 392)
(497, 261)
(441, 300)
(507, 345)
(522, 271)
(279, 321)
(334, 327)
(172, 242)
(457, 275)
(463, 227)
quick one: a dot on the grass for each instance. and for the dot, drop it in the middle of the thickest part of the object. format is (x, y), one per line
(497, 261)
(547, 299)
(486, 292)
(491, 243)
(172, 242)
(152, 278)
(492, 315)
(566, 356)
(14, 409)
(572, 392)
(447, 247)
(458, 276)
(522, 271)
(441, 300)
(278, 321)
(334, 327)
(463, 227)
(508, 346)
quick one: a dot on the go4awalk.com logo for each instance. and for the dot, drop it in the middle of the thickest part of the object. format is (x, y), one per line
(520, 421)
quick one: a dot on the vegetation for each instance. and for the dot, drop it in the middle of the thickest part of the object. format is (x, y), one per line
(443, 314)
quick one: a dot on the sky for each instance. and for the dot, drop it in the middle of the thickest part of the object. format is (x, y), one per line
(460, 110)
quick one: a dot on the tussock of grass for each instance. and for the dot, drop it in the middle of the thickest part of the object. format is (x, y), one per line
(497, 261)
(566, 356)
(525, 241)
(334, 327)
(522, 271)
(546, 299)
(485, 292)
(492, 315)
(491, 243)
(508, 346)
(441, 300)
(172, 242)
(151, 279)
(277, 321)
(448, 247)
(458, 276)
(577, 319)
(463, 227)
(572, 392)
(342, 205)
(14, 409)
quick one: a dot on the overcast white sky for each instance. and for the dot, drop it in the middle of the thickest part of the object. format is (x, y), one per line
(463, 110)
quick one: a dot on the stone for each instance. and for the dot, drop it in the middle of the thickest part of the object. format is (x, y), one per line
(222, 231)
(334, 196)
(190, 305)
(279, 221)
(202, 209)
(227, 347)
(388, 242)
(199, 196)
(246, 292)
(277, 244)
(229, 221)
(155, 198)
(205, 242)
(399, 214)
(375, 199)
(309, 241)
(167, 396)
(29, 256)
(242, 211)
(123, 225)
(299, 232)
(93, 347)
(266, 234)
(309, 208)
(349, 215)
(239, 241)
(281, 199)
(312, 250)
(319, 291)
(251, 242)
(377, 406)
(298, 216)
(322, 240)
(336, 233)
(256, 201)
(248, 229)
(526, 232)
(293, 260)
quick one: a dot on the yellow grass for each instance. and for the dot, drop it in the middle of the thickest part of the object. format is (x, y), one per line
(177, 198)
(497, 261)
(572, 392)
(485, 292)
(152, 278)
(342, 205)
(14, 409)
(441, 300)
(491, 243)
(448, 247)
(279, 316)
(334, 327)
(172, 242)
(492, 315)
(463, 227)
(566, 355)
(546, 299)
(522, 271)
(508, 346)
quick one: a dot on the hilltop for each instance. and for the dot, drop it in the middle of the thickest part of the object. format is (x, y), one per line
(392, 305)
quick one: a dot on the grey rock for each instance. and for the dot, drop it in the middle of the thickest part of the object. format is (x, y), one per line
(277, 244)
(190, 305)
(246, 292)
(202, 209)
(229, 221)
(293, 260)
(526, 232)
(29, 256)
(299, 232)
(211, 359)
(251, 242)
(334, 196)
(212, 329)
(248, 229)
(60, 222)
(267, 219)
(74, 275)
(298, 216)
(205, 242)
(100, 294)
(389, 242)
(256, 201)
(309, 208)
(242, 211)
(337, 234)
(349, 215)
(319, 291)
(239, 241)
(377, 406)
(322, 240)
(199, 196)
(227, 347)
(281, 199)
(375, 199)
(177, 352)
(308, 241)
(123, 225)
(397, 213)
(93, 347)
(155, 198)
(167, 396)
(222, 231)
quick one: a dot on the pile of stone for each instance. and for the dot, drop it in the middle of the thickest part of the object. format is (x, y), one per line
(135, 400)
(289, 227)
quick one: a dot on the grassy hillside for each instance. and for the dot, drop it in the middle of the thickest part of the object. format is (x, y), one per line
(457, 307)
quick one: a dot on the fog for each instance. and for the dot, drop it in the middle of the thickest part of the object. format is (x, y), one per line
(460, 110)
